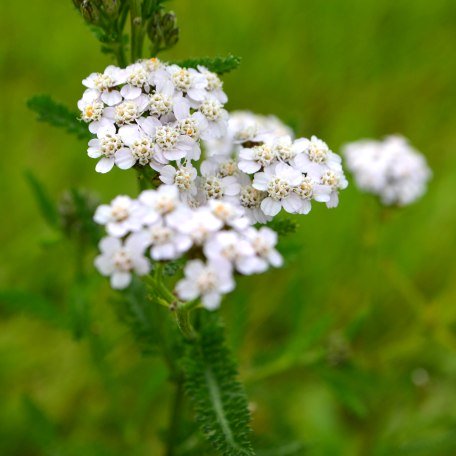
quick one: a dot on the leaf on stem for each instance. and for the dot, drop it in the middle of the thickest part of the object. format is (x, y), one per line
(219, 65)
(58, 115)
(47, 207)
(217, 397)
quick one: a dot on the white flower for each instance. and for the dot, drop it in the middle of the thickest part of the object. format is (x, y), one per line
(212, 118)
(309, 189)
(94, 112)
(230, 214)
(229, 247)
(122, 216)
(119, 260)
(312, 155)
(172, 144)
(214, 84)
(188, 81)
(198, 223)
(255, 158)
(183, 177)
(391, 169)
(284, 148)
(335, 179)
(128, 111)
(263, 242)
(162, 201)
(246, 128)
(107, 144)
(137, 78)
(279, 181)
(250, 199)
(105, 83)
(141, 146)
(215, 186)
(206, 281)
(165, 242)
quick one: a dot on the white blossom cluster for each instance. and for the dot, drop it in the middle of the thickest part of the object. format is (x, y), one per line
(273, 170)
(164, 116)
(217, 239)
(151, 113)
(391, 169)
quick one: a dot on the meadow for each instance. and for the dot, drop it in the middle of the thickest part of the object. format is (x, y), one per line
(350, 348)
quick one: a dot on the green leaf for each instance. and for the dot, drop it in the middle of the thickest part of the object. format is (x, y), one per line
(44, 201)
(58, 115)
(219, 65)
(217, 397)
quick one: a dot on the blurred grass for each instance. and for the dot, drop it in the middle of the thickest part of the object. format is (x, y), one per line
(368, 296)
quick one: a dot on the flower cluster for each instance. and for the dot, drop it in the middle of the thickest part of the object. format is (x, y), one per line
(151, 113)
(164, 116)
(217, 239)
(391, 169)
(272, 169)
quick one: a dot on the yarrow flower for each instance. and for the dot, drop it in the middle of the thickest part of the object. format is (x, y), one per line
(151, 113)
(220, 175)
(391, 169)
(162, 225)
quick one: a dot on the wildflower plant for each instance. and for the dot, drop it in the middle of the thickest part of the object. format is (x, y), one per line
(213, 185)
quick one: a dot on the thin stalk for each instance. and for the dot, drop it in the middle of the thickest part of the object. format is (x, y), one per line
(136, 29)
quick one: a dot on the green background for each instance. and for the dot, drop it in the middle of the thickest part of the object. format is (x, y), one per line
(349, 349)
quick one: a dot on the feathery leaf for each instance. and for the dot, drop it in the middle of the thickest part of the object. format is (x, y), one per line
(217, 397)
(58, 115)
(219, 65)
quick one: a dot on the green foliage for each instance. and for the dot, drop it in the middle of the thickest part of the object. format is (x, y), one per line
(219, 65)
(58, 115)
(136, 310)
(171, 268)
(283, 226)
(76, 209)
(32, 304)
(217, 396)
(46, 205)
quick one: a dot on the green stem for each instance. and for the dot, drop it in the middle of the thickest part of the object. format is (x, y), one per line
(136, 29)
(184, 322)
(174, 420)
(120, 55)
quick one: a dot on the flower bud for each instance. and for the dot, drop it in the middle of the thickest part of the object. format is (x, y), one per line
(111, 7)
(90, 12)
(168, 22)
(162, 29)
(172, 38)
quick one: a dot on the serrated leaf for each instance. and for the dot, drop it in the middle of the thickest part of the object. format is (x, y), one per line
(58, 115)
(217, 397)
(219, 65)
(45, 203)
